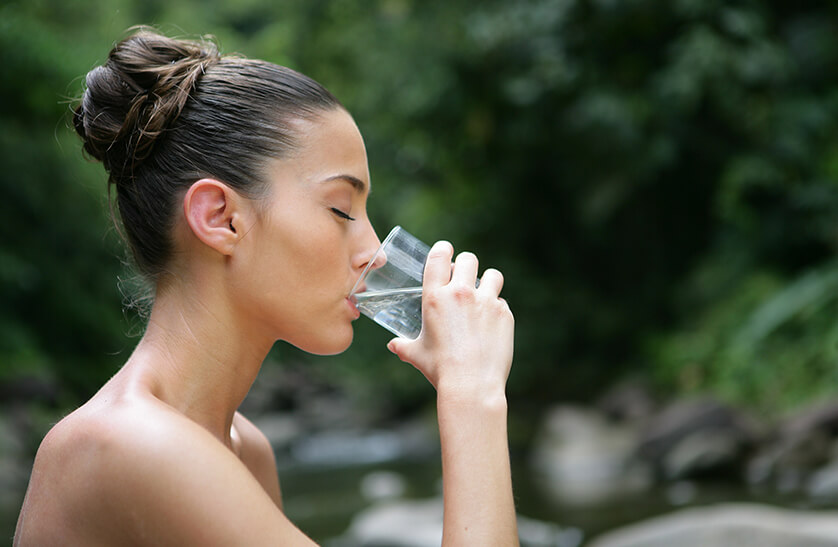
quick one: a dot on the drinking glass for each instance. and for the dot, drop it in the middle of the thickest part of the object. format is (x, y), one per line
(389, 290)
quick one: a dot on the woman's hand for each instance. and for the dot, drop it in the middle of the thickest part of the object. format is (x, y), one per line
(465, 350)
(465, 346)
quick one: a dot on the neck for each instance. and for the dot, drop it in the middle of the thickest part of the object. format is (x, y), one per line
(196, 355)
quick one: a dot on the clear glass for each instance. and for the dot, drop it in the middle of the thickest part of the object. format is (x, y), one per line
(389, 290)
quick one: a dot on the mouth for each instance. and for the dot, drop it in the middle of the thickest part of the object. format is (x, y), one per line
(359, 287)
(350, 301)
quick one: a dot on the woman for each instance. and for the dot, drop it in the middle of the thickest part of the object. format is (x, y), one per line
(242, 189)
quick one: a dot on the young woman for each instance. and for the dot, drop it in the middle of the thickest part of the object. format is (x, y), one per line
(241, 188)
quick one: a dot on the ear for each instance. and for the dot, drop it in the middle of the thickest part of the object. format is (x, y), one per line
(214, 213)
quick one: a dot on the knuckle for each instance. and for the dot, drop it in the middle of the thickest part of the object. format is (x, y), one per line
(431, 299)
(463, 293)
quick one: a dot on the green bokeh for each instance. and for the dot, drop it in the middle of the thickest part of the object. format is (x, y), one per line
(656, 180)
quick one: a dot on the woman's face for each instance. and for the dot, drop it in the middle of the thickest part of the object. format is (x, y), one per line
(302, 256)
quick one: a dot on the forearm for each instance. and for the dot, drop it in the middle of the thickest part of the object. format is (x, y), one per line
(465, 350)
(477, 483)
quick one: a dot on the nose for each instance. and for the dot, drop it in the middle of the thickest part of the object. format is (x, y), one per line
(367, 250)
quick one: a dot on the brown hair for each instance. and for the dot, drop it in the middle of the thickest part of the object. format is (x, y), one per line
(162, 113)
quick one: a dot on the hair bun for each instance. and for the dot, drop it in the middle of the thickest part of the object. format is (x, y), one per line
(132, 99)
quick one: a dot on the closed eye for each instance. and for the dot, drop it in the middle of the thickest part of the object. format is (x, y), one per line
(341, 214)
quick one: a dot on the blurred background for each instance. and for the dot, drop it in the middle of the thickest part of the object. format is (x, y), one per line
(657, 180)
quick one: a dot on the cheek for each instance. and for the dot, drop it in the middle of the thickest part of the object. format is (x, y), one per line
(299, 253)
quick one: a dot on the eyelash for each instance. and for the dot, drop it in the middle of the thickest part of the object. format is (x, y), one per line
(341, 214)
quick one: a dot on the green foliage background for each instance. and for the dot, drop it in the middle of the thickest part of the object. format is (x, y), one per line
(657, 180)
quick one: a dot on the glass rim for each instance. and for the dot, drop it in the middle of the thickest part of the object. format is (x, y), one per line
(396, 229)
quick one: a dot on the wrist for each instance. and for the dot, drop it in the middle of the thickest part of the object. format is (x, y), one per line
(472, 396)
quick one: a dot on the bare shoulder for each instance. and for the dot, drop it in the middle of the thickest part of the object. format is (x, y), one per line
(257, 454)
(252, 437)
(141, 473)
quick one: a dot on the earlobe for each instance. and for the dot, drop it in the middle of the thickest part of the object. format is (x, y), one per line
(211, 210)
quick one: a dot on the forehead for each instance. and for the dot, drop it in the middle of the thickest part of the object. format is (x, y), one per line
(329, 147)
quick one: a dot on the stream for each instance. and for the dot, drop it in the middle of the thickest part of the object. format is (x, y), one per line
(322, 500)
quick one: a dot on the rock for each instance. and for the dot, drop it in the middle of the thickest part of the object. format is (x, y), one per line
(293, 389)
(586, 459)
(418, 523)
(700, 451)
(627, 402)
(13, 478)
(823, 417)
(277, 388)
(347, 448)
(359, 446)
(330, 410)
(399, 524)
(728, 525)
(787, 462)
(823, 483)
(280, 428)
(11, 443)
(697, 437)
(383, 485)
(536, 533)
(14, 472)
(803, 443)
(681, 493)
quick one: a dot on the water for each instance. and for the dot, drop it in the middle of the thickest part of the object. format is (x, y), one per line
(323, 500)
(397, 310)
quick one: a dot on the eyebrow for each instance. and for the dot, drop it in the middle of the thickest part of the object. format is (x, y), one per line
(359, 185)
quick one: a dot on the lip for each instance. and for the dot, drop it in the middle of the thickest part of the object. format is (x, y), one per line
(360, 286)
(353, 308)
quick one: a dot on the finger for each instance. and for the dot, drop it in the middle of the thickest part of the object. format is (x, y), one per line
(395, 346)
(465, 269)
(401, 348)
(438, 265)
(491, 282)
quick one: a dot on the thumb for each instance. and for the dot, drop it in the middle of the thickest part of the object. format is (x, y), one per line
(400, 347)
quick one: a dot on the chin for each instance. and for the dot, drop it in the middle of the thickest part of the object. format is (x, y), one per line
(334, 342)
